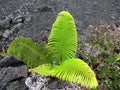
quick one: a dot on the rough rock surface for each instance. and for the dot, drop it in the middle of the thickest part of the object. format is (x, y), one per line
(32, 18)
(12, 74)
(37, 82)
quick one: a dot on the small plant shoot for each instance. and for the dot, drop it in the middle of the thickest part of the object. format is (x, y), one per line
(57, 57)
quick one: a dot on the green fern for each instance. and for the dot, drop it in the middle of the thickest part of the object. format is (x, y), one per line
(60, 50)
(118, 57)
(63, 36)
(72, 70)
(33, 54)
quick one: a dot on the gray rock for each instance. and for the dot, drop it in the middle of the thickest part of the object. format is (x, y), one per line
(17, 27)
(46, 8)
(38, 82)
(28, 19)
(90, 26)
(9, 61)
(118, 7)
(11, 38)
(5, 23)
(18, 19)
(95, 3)
(12, 77)
(113, 17)
(7, 33)
(87, 13)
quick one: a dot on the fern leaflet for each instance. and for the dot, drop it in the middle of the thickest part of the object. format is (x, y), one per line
(31, 53)
(72, 70)
(63, 36)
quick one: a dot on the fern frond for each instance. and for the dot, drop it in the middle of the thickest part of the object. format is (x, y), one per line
(72, 70)
(118, 57)
(63, 36)
(76, 71)
(31, 53)
(44, 69)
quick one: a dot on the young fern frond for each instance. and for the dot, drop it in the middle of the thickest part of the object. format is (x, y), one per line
(31, 53)
(63, 36)
(72, 70)
(63, 41)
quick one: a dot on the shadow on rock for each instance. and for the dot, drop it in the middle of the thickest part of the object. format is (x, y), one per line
(12, 74)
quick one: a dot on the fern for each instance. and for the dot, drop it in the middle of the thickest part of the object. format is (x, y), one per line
(33, 54)
(60, 50)
(72, 70)
(63, 37)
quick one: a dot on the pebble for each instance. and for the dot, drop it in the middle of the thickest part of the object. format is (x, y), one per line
(118, 7)
(87, 13)
(7, 33)
(5, 23)
(11, 38)
(3, 39)
(95, 3)
(28, 18)
(113, 17)
(79, 24)
(17, 27)
(18, 19)
(90, 26)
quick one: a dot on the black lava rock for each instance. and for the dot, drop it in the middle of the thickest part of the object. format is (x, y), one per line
(10, 61)
(5, 23)
(12, 74)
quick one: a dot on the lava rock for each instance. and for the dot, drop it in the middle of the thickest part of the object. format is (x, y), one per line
(45, 9)
(18, 19)
(38, 82)
(10, 61)
(12, 77)
(7, 33)
(17, 27)
(95, 3)
(28, 18)
(5, 23)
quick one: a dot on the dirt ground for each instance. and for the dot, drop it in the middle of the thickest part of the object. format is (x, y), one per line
(43, 13)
